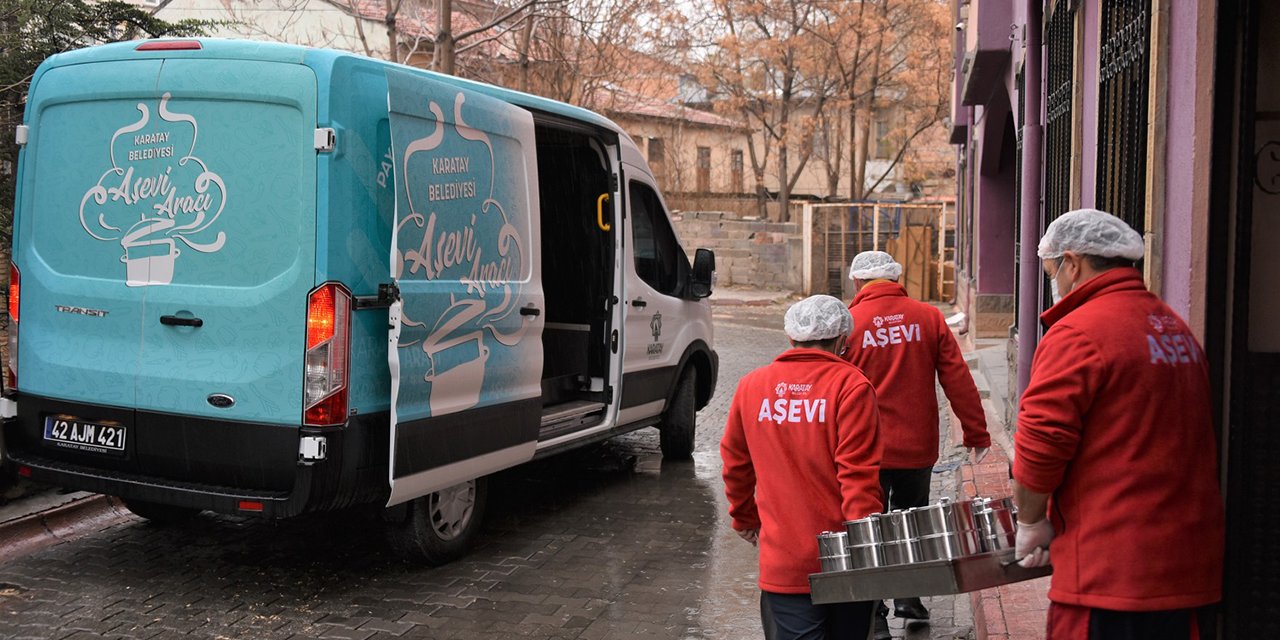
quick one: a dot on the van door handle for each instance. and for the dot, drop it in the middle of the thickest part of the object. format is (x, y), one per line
(530, 311)
(177, 321)
(639, 303)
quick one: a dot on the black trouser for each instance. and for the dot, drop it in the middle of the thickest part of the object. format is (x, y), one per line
(905, 488)
(793, 616)
(1069, 622)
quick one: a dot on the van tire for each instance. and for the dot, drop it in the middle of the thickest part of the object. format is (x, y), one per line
(679, 424)
(439, 527)
(160, 514)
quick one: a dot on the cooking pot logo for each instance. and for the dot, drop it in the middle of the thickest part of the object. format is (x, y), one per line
(156, 194)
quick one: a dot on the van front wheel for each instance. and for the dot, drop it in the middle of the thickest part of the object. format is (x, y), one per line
(677, 430)
(438, 527)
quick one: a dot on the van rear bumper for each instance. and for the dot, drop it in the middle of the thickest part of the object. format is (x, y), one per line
(206, 464)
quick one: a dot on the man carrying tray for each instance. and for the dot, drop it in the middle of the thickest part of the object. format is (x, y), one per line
(801, 455)
(902, 346)
(1115, 427)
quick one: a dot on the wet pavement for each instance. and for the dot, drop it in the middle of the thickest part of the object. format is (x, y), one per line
(604, 542)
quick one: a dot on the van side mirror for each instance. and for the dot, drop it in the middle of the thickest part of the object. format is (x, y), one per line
(704, 271)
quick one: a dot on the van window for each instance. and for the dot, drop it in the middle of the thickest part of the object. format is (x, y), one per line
(658, 256)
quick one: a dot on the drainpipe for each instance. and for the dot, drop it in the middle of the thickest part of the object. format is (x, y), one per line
(1032, 172)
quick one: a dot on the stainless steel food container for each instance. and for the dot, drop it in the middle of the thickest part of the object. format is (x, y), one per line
(944, 517)
(832, 543)
(864, 531)
(971, 542)
(996, 525)
(898, 552)
(895, 526)
(865, 556)
(835, 563)
(946, 546)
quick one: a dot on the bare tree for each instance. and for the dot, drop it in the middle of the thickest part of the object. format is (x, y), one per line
(772, 69)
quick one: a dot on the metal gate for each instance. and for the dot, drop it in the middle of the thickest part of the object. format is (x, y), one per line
(1124, 79)
(921, 236)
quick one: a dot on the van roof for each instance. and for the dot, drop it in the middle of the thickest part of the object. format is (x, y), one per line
(319, 59)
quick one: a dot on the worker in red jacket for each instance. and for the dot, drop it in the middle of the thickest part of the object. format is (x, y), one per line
(801, 454)
(900, 344)
(1115, 443)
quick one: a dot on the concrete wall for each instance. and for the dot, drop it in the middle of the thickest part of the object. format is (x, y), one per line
(763, 255)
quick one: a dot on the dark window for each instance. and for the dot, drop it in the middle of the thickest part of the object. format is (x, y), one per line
(659, 259)
(704, 169)
(1058, 125)
(735, 175)
(1123, 78)
(657, 151)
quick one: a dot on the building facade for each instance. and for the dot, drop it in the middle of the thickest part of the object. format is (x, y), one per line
(1159, 111)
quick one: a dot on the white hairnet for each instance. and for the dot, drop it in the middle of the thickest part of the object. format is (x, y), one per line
(1093, 233)
(818, 317)
(873, 265)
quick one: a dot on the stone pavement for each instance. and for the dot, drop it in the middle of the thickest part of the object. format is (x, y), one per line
(1016, 611)
(605, 542)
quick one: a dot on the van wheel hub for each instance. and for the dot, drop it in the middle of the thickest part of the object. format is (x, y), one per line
(451, 509)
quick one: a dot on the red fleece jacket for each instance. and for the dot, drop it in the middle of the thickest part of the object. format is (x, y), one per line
(899, 344)
(1116, 424)
(801, 456)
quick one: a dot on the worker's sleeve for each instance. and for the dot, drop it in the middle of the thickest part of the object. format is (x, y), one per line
(858, 451)
(1065, 376)
(957, 383)
(738, 471)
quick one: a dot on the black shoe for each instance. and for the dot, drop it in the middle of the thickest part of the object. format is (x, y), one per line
(910, 608)
(880, 626)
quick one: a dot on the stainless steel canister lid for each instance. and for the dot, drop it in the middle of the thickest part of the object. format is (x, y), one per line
(863, 531)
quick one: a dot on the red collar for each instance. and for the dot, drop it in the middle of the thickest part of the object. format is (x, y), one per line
(803, 354)
(1110, 281)
(882, 289)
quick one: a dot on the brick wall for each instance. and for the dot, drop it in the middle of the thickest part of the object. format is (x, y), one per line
(752, 253)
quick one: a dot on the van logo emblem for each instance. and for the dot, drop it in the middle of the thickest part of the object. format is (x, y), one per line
(156, 194)
(221, 400)
(96, 313)
(655, 326)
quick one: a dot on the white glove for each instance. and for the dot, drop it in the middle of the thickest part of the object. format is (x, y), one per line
(1032, 545)
(979, 453)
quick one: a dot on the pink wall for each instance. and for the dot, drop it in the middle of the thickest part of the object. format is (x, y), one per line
(1089, 103)
(1180, 156)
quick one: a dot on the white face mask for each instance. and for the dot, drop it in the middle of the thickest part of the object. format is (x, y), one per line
(1053, 290)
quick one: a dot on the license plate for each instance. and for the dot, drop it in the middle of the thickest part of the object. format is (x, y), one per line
(69, 432)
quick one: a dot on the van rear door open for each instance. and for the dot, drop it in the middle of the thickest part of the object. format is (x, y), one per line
(466, 356)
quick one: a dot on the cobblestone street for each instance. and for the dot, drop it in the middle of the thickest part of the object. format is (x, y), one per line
(606, 542)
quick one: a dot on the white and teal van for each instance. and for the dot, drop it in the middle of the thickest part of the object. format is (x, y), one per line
(265, 279)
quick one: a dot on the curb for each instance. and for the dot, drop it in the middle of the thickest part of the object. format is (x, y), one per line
(29, 534)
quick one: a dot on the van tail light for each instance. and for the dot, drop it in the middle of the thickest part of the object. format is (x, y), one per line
(11, 368)
(328, 347)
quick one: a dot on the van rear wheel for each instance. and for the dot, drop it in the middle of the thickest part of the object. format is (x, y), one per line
(678, 425)
(438, 527)
(161, 514)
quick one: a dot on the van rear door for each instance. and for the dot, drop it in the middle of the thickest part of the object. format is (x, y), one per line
(169, 246)
(467, 363)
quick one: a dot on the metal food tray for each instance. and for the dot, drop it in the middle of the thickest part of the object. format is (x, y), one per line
(932, 578)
